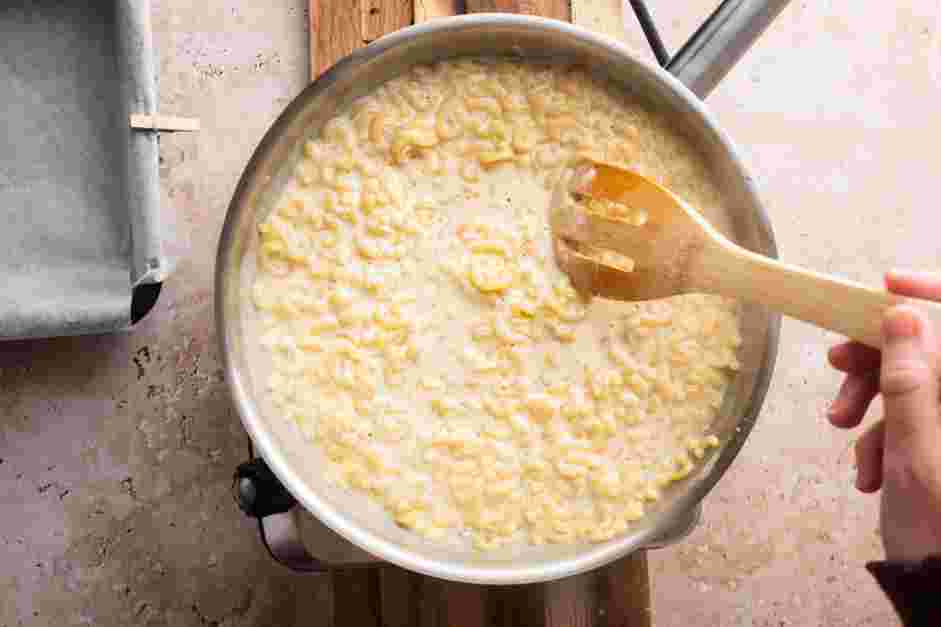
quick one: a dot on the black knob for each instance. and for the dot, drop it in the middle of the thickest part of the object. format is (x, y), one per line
(258, 491)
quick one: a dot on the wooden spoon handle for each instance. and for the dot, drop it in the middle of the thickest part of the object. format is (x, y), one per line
(848, 308)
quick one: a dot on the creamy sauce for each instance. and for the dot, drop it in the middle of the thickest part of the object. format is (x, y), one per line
(417, 330)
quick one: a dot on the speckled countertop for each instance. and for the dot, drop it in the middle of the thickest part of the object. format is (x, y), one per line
(116, 453)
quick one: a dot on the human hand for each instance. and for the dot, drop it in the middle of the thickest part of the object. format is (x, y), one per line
(901, 454)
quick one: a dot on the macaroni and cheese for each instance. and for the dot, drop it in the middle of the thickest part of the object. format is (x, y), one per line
(422, 337)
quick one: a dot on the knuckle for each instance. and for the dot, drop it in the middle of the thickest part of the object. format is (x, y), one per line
(868, 444)
(860, 448)
(859, 452)
(903, 377)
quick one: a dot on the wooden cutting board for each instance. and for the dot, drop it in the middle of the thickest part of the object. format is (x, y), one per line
(338, 27)
(617, 595)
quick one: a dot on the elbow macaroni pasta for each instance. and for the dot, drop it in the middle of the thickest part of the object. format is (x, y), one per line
(421, 336)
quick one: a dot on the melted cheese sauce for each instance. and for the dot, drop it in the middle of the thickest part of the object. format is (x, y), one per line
(417, 330)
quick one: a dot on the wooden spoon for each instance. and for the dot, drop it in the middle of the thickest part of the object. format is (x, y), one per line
(654, 245)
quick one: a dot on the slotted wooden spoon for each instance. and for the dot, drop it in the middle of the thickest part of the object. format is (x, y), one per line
(676, 251)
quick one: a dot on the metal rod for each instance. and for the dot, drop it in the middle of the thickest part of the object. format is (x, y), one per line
(650, 31)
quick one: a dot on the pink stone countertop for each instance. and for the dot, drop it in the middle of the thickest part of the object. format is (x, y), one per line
(117, 452)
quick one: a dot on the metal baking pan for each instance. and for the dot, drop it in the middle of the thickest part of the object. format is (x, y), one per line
(81, 241)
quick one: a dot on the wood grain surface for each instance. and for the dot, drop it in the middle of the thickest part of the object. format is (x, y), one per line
(617, 595)
(356, 597)
(625, 592)
(384, 16)
(555, 9)
(336, 30)
(429, 9)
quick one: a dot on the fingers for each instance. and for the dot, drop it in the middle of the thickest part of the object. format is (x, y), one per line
(909, 382)
(854, 357)
(914, 284)
(869, 448)
(853, 399)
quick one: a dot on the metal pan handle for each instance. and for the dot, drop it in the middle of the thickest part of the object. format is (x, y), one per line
(717, 45)
(261, 495)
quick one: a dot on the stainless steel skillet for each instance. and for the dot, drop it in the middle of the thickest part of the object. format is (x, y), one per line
(697, 68)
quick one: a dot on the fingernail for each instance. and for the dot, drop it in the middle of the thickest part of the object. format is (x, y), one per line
(858, 480)
(898, 273)
(864, 484)
(902, 321)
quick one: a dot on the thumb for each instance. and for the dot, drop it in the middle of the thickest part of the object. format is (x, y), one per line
(909, 378)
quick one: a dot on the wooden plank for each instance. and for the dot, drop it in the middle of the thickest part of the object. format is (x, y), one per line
(380, 17)
(461, 605)
(429, 9)
(555, 9)
(451, 604)
(356, 597)
(518, 605)
(146, 121)
(625, 592)
(412, 600)
(335, 32)
(573, 601)
(400, 596)
(432, 610)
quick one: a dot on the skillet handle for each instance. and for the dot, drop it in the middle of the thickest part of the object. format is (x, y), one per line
(719, 43)
(284, 530)
(260, 495)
